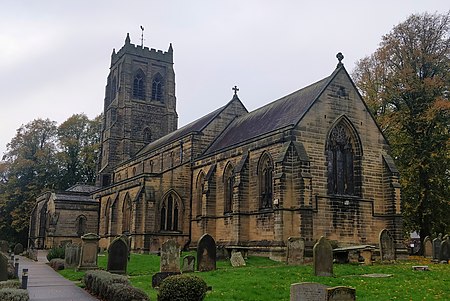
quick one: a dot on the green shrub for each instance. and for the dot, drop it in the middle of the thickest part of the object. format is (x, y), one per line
(13, 294)
(124, 292)
(182, 288)
(97, 281)
(56, 252)
(9, 284)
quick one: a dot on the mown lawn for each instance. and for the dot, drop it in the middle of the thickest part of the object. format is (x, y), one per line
(264, 279)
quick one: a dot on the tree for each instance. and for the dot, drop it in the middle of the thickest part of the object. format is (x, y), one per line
(406, 85)
(29, 166)
(41, 157)
(79, 143)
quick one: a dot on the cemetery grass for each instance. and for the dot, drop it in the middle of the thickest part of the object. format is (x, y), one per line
(263, 279)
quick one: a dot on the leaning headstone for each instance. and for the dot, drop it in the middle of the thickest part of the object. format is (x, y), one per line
(118, 255)
(89, 249)
(308, 291)
(295, 250)
(72, 255)
(323, 258)
(427, 247)
(444, 252)
(4, 246)
(170, 257)
(206, 253)
(341, 293)
(188, 264)
(3, 267)
(18, 249)
(436, 248)
(236, 259)
(387, 246)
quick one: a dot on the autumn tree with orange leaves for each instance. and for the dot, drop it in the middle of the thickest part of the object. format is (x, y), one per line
(406, 84)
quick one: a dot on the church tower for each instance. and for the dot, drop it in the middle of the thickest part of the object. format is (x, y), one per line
(140, 104)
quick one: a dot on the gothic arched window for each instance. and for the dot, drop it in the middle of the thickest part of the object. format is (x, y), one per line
(341, 161)
(107, 212)
(81, 225)
(147, 135)
(114, 214)
(157, 87)
(199, 195)
(139, 86)
(265, 179)
(228, 183)
(126, 220)
(170, 214)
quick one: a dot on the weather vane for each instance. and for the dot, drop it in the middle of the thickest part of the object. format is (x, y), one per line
(142, 36)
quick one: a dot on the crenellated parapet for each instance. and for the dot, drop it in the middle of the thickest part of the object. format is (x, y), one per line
(145, 52)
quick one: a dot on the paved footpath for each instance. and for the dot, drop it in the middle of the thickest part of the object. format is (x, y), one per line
(45, 284)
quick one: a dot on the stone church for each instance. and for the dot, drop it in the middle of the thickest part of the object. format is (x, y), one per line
(311, 163)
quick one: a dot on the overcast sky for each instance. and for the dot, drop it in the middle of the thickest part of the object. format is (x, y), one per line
(55, 55)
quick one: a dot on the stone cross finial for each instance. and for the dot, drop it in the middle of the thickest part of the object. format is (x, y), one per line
(235, 88)
(340, 57)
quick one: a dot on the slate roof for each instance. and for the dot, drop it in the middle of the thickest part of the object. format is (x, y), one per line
(284, 112)
(193, 127)
(73, 197)
(82, 188)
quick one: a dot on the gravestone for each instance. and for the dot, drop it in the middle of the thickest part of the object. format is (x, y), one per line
(206, 253)
(4, 246)
(221, 253)
(323, 258)
(88, 254)
(445, 251)
(236, 259)
(72, 255)
(436, 248)
(63, 243)
(18, 249)
(295, 250)
(118, 255)
(3, 267)
(366, 254)
(33, 254)
(427, 247)
(387, 245)
(341, 293)
(188, 264)
(157, 278)
(308, 291)
(170, 257)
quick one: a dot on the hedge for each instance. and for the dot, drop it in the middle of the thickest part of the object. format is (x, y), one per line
(13, 294)
(9, 284)
(112, 287)
(182, 288)
(56, 252)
